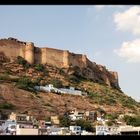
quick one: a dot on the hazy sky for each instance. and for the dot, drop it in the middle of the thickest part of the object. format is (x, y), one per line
(108, 35)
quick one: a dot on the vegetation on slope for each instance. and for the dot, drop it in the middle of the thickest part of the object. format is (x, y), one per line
(26, 76)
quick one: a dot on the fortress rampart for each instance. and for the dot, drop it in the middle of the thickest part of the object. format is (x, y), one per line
(12, 48)
(60, 58)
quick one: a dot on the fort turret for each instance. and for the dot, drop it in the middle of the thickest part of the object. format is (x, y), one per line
(29, 52)
(43, 55)
(65, 58)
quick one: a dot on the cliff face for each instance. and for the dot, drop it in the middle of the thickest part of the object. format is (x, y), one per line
(11, 48)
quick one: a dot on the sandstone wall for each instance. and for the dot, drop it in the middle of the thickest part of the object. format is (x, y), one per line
(37, 55)
(29, 52)
(77, 60)
(52, 56)
(10, 48)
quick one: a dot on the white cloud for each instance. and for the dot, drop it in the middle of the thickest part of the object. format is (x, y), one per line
(99, 7)
(130, 50)
(128, 20)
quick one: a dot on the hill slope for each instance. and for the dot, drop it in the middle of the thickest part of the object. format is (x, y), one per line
(18, 78)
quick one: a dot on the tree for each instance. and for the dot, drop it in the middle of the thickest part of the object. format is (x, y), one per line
(47, 119)
(39, 67)
(64, 121)
(85, 125)
(111, 116)
(20, 60)
(56, 82)
(109, 123)
(134, 121)
(26, 84)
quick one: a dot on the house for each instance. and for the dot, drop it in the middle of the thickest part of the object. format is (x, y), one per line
(102, 130)
(9, 126)
(53, 130)
(75, 130)
(129, 130)
(76, 115)
(71, 90)
(48, 124)
(58, 131)
(107, 130)
(84, 132)
(26, 130)
(64, 131)
(90, 115)
(19, 117)
(100, 119)
(50, 88)
(41, 124)
(55, 120)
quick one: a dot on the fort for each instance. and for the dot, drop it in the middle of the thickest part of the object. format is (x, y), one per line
(11, 48)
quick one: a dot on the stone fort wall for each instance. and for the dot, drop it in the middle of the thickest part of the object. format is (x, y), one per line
(60, 58)
(12, 48)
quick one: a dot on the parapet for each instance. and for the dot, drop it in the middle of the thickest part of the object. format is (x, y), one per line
(17, 41)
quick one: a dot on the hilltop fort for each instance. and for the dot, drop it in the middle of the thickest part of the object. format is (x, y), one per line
(11, 48)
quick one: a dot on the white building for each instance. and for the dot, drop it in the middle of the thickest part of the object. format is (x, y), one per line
(76, 115)
(129, 130)
(76, 130)
(84, 132)
(26, 130)
(58, 131)
(9, 126)
(71, 90)
(107, 130)
(102, 130)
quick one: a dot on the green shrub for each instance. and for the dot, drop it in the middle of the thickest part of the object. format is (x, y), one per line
(7, 71)
(47, 119)
(110, 101)
(101, 111)
(39, 67)
(61, 71)
(56, 83)
(85, 125)
(50, 109)
(109, 123)
(20, 60)
(134, 121)
(4, 77)
(37, 81)
(73, 79)
(6, 105)
(64, 121)
(26, 84)
(111, 116)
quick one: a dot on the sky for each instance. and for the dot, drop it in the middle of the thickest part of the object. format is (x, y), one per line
(108, 35)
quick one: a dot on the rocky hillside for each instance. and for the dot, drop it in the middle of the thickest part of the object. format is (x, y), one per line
(17, 93)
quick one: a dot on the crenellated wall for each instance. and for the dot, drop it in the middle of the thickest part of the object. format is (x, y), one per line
(11, 48)
(60, 58)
